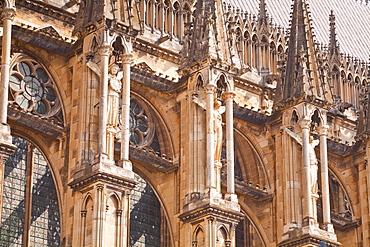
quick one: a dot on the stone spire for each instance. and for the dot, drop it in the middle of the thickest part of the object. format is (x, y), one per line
(262, 16)
(93, 14)
(303, 79)
(207, 39)
(333, 43)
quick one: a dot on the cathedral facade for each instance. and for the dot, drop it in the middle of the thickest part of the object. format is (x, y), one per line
(185, 123)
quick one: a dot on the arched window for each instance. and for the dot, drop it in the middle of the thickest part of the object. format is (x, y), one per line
(239, 42)
(349, 97)
(187, 17)
(30, 205)
(247, 48)
(343, 85)
(273, 58)
(336, 82)
(177, 21)
(32, 89)
(168, 17)
(147, 223)
(247, 235)
(264, 52)
(255, 52)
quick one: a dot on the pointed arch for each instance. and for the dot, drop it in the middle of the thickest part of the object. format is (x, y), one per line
(111, 219)
(247, 58)
(198, 237)
(255, 53)
(222, 236)
(30, 198)
(252, 168)
(147, 207)
(177, 20)
(273, 58)
(265, 52)
(86, 220)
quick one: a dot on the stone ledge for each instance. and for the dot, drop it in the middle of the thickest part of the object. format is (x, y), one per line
(207, 210)
(101, 172)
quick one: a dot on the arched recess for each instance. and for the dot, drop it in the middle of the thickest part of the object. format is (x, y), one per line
(86, 220)
(340, 200)
(247, 49)
(32, 89)
(113, 212)
(31, 211)
(198, 237)
(222, 237)
(249, 168)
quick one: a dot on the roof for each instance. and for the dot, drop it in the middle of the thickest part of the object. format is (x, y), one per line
(352, 21)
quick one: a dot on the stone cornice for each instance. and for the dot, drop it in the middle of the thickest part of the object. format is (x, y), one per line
(151, 80)
(43, 39)
(156, 51)
(47, 9)
(250, 116)
(211, 211)
(306, 240)
(104, 177)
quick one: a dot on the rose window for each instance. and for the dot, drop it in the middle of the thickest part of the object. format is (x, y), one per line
(141, 132)
(32, 89)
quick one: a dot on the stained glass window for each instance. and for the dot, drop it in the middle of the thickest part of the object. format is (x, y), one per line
(145, 216)
(40, 224)
(33, 90)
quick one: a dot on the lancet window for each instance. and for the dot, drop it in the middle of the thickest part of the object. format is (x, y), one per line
(30, 211)
(147, 222)
(247, 49)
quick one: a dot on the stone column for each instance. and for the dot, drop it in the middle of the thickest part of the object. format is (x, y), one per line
(7, 17)
(6, 146)
(119, 228)
(125, 221)
(210, 89)
(125, 116)
(229, 99)
(104, 52)
(305, 123)
(325, 179)
(98, 217)
(83, 227)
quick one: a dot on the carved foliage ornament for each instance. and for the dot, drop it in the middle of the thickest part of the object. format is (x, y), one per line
(32, 89)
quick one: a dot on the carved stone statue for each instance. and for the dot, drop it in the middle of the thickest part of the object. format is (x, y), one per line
(115, 76)
(312, 156)
(218, 110)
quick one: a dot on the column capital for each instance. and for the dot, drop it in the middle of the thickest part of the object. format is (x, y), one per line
(323, 130)
(229, 95)
(8, 13)
(304, 123)
(127, 58)
(210, 88)
(105, 50)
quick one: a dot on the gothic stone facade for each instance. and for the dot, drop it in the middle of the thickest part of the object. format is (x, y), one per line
(179, 123)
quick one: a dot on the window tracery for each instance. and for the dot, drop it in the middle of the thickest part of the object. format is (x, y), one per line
(142, 128)
(32, 90)
(30, 211)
